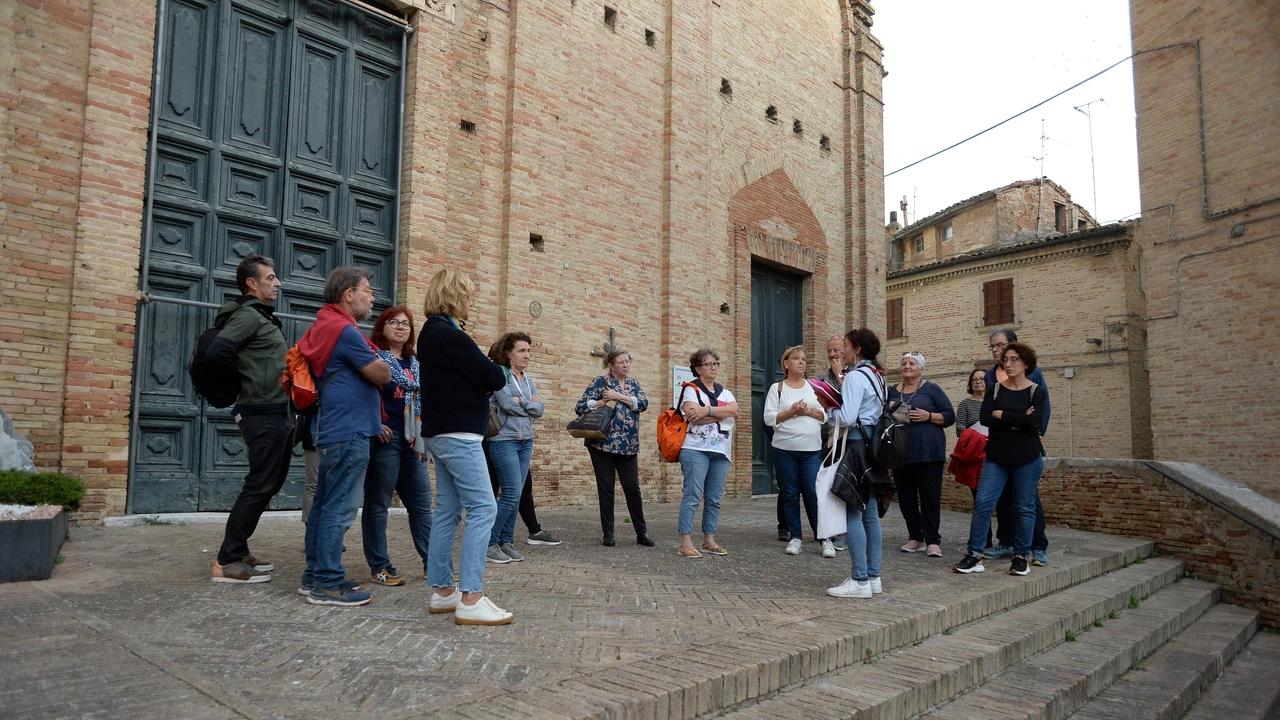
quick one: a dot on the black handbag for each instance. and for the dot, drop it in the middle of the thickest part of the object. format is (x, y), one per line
(856, 481)
(593, 424)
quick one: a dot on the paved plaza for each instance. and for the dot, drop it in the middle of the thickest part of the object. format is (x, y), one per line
(131, 626)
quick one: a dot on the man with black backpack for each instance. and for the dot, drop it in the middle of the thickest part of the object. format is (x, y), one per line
(250, 339)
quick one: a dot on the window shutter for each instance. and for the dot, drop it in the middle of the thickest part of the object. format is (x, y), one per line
(895, 324)
(990, 303)
(1006, 300)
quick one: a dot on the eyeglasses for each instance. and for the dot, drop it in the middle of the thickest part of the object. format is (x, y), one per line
(998, 346)
(405, 324)
(1010, 359)
(714, 364)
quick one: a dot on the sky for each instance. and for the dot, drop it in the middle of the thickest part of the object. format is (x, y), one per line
(956, 68)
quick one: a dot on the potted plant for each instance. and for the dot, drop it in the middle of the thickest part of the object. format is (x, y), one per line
(36, 506)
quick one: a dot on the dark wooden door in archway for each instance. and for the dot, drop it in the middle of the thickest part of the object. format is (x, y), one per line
(278, 130)
(777, 322)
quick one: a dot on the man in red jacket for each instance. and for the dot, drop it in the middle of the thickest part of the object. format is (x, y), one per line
(348, 376)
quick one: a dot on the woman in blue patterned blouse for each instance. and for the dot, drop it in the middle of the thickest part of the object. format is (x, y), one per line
(615, 455)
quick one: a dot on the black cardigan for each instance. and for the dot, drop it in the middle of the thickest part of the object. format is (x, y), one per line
(1015, 438)
(456, 381)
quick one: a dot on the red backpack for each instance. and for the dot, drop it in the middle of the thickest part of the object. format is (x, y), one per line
(299, 384)
(672, 428)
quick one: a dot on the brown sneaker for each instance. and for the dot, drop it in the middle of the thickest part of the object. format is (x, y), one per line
(238, 572)
(256, 564)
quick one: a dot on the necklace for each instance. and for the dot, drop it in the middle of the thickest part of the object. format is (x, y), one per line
(905, 399)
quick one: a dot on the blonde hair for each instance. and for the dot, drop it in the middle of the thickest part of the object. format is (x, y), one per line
(786, 354)
(447, 294)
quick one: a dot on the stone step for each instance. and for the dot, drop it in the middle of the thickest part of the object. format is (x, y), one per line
(695, 680)
(915, 679)
(1056, 683)
(1166, 684)
(1249, 689)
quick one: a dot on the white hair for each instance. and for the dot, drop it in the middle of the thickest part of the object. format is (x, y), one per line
(915, 356)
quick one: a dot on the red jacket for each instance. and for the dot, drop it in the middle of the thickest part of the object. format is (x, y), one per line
(967, 458)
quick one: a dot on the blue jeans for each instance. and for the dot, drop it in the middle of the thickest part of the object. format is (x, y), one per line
(462, 483)
(333, 510)
(1025, 480)
(864, 540)
(395, 466)
(703, 471)
(511, 459)
(797, 475)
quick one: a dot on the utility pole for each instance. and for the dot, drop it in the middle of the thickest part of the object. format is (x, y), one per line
(1087, 112)
(1040, 181)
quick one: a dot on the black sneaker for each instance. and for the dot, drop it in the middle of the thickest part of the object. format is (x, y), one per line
(784, 535)
(970, 563)
(1019, 566)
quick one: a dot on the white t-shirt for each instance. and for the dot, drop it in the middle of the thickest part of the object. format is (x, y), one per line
(714, 437)
(800, 434)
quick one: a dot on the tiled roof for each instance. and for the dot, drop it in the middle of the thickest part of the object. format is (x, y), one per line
(975, 200)
(1005, 248)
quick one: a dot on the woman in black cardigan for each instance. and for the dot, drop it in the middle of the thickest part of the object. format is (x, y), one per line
(1011, 410)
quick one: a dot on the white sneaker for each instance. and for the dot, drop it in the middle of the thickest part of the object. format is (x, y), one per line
(484, 612)
(828, 549)
(441, 604)
(875, 586)
(851, 589)
(793, 546)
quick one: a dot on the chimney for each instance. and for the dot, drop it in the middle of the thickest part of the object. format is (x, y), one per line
(893, 216)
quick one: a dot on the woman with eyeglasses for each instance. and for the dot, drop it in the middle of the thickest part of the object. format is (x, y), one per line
(792, 409)
(710, 410)
(511, 450)
(1011, 410)
(919, 480)
(395, 457)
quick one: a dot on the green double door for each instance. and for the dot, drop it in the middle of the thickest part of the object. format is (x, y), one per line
(278, 134)
(777, 323)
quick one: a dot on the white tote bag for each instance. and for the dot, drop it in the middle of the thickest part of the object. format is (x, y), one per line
(831, 511)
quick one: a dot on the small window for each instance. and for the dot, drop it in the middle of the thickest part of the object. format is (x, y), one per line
(726, 88)
(894, 323)
(536, 243)
(771, 114)
(611, 18)
(824, 142)
(1060, 221)
(945, 232)
(796, 127)
(467, 126)
(997, 302)
(1081, 224)
(650, 37)
(919, 241)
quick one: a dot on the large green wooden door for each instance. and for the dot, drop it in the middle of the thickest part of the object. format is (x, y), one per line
(777, 323)
(278, 133)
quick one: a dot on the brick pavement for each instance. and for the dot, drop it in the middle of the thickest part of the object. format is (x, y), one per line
(130, 624)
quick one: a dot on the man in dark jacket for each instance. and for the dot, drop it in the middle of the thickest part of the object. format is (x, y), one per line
(1006, 516)
(252, 340)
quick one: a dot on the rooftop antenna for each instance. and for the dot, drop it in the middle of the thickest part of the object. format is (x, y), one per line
(1040, 181)
(1087, 112)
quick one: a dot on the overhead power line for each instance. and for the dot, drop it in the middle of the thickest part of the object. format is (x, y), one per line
(1014, 117)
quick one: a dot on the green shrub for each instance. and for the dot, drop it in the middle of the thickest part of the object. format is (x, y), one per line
(20, 487)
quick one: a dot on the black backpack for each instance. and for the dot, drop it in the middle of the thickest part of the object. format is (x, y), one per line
(217, 383)
(887, 444)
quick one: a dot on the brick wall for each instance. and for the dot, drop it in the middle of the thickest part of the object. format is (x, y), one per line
(1212, 258)
(1131, 498)
(1064, 294)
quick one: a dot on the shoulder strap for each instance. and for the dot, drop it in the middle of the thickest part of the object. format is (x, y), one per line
(877, 386)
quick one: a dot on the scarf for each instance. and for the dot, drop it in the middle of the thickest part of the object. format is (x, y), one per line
(318, 341)
(398, 376)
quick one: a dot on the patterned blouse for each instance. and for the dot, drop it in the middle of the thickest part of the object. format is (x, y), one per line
(624, 435)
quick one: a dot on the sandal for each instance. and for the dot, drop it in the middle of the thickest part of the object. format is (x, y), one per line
(715, 550)
(690, 552)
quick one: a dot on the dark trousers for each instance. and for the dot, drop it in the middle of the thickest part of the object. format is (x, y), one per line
(1007, 517)
(920, 499)
(527, 512)
(782, 511)
(627, 470)
(269, 439)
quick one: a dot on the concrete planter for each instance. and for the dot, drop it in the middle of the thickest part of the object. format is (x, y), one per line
(30, 547)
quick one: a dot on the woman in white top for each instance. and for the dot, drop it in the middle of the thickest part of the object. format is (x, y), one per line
(704, 458)
(792, 409)
(862, 393)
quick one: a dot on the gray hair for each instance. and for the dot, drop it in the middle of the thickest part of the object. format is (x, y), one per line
(250, 268)
(341, 280)
(915, 356)
(1009, 335)
(614, 354)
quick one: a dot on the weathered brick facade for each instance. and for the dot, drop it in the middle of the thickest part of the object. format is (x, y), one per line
(1068, 290)
(1209, 163)
(649, 184)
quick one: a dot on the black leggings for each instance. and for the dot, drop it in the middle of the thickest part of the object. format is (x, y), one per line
(627, 470)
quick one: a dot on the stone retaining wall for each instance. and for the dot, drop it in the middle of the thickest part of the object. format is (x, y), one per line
(1225, 532)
